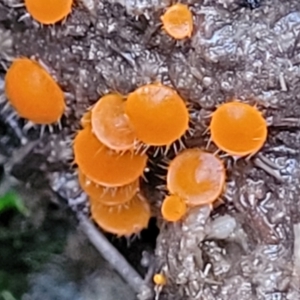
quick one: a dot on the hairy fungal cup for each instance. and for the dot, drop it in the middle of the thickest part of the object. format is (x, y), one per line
(33, 93)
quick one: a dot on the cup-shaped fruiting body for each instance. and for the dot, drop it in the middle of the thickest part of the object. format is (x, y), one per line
(33, 93)
(173, 208)
(110, 124)
(196, 176)
(159, 279)
(48, 11)
(238, 129)
(103, 165)
(178, 21)
(106, 195)
(124, 220)
(86, 119)
(158, 114)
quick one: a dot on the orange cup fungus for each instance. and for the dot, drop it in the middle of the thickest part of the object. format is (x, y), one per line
(110, 124)
(111, 178)
(158, 114)
(173, 208)
(122, 220)
(103, 165)
(196, 176)
(49, 11)
(159, 279)
(33, 93)
(238, 128)
(85, 121)
(105, 195)
(178, 21)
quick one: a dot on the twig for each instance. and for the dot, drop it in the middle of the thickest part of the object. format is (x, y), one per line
(18, 155)
(270, 170)
(110, 253)
(267, 161)
(285, 122)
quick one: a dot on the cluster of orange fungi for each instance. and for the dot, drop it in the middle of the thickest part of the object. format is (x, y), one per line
(107, 152)
(110, 149)
(196, 177)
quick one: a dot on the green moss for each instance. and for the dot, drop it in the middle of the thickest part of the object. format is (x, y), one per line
(12, 200)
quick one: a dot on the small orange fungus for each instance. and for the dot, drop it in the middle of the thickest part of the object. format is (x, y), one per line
(238, 128)
(178, 21)
(33, 93)
(173, 208)
(103, 165)
(105, 195)
(158, 115)
(49, 11)
(159, 279)
(85, 121)
(110, 124)
(196, 176)
(124, 220)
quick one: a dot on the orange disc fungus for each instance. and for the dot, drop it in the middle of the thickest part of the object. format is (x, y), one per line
(86, 119)
(238, 128)
(125, 220)
(33, 93)
(173, 208)
(178, 21)
(159, 279)
(105, 195)
(110, 124)
(48, 11)
(158, 115)
(103, 165)
(196, 176)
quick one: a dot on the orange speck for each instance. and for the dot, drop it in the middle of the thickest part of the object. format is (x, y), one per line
(178, 21)
(158, 115)
(123, 220)
(196, 176)
(105, 195)
(173, 208)
(33, 93)
(238, 128)
(103, 165)
(159, 279)
(110, 124)
(48, 11)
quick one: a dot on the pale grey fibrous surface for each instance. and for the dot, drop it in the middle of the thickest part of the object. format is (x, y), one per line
(235, 51)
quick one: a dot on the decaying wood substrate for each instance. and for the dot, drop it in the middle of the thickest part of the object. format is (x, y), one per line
(247, 248)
